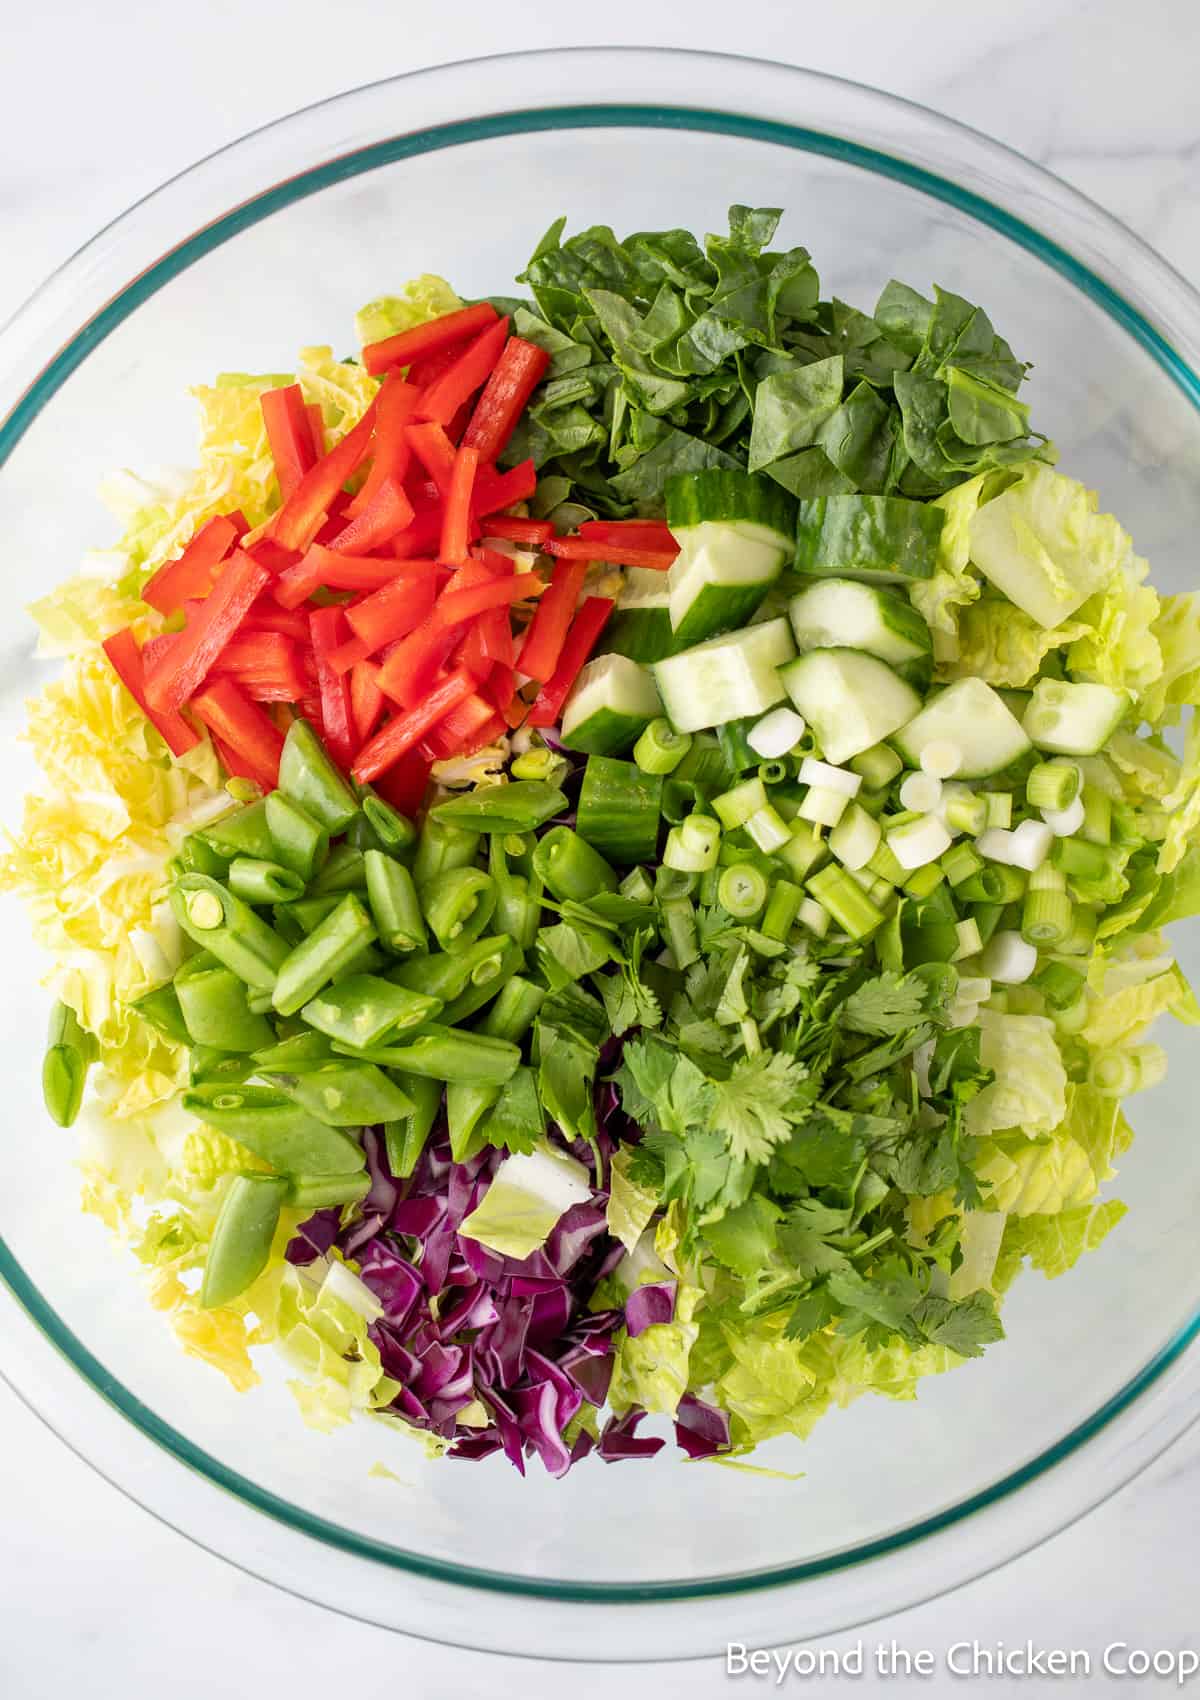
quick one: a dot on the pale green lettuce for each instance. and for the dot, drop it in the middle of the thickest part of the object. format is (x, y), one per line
(1029, 1088)
(426, 297)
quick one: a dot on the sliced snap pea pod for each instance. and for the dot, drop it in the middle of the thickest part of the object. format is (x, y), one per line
(466, 1106)
(221, 923)
(318, 1192)
(276, 1128)
(569, 867)
(309, 778)
(476, 993)
(161, 1009)
(298, 1054)
(309, 912)
(458, 906)
(517, 807)
(395, 832)
(442, 846)
(241, 1241)
(364, 1010)
(392, 896)
(444, 1053)
(263, 882)
(448, 974)
(216, 1007)
(514, 1011)
(347, 1092)
(327, 951)
(245, 832)
(362, 835)
(70, 1052)
(300, 841)
(344, 871)
(197, 856)
(405, 1139)
(209, 1066)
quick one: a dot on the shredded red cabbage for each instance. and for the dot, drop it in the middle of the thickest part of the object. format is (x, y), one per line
(465, 1328)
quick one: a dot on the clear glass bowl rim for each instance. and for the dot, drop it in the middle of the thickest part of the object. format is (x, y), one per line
(1136, 319)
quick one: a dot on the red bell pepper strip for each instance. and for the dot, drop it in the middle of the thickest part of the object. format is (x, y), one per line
(192, 573)
(327, 626)
(272, 555)
(413, 664)
(653, 534)
(322, 568)
(405, 347)
(366, 700)
(495, 630)
(430, 367)
(239, 724)
(289, 433)
(465, 729)
(517, 374)
(180, 670)
(127, 663)
(618, 554)
(397, 608)
(405, 782)
(316, 424)
(499, 686)
(532, 532)
(302, 514)
(471, 655)
(389, 511)
(581, 640)
(404, 731)
(422, 536)
(390, 450)
(435, 452)
(495, 490)
(267, 616)
(548, 629)
(456, 515)
(265, 664)
(455, 606)
(442, 399)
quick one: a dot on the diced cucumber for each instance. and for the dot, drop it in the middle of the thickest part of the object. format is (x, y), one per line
(726, 678)
(1073, 719)
(843, 613)
(851, 700)
(610, 706)
(970, 715)
(878, 539)
(619, 810)
(734, 531)
(640, 627)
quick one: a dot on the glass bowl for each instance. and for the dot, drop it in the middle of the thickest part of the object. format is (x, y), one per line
(271, 245)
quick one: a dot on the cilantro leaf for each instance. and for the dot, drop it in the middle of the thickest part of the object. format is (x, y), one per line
(759, 1104)
(965, 1326)
(744, 1239)
(888, 1004)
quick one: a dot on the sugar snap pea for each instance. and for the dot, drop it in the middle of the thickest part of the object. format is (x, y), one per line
(394, 904)
(363, 1010)
(329, 949)
(70, 1052)
(309, 778)
(214, 918)
(241, 1241)
(299, 839)
(276, 1128)
(346, 1092)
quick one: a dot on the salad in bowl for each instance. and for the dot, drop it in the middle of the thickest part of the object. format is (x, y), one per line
(606, 857)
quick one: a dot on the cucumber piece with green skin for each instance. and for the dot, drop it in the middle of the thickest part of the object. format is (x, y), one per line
(734, 531)
(1073, 719)
(972, 716)
(844, 613)
(620, 808)
(727, 678)
(640, 627)
(876, 539)
(611, 704)
(850, 699)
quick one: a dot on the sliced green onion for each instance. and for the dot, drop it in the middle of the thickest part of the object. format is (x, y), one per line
(963, 811)
(923, 881)
(999, 808)
(660, 748)
(1097, 815)
(1009, 959)
(850, 907)
(735, 807)
(1052, 785)
(823, 806)
(921, 791)
(814, 917)
(742, 891)
(1060, 984)
(961, 862)
(1080, 860)
(1046, 917)
(775, 772)
(970, 942)
(884, 864)
(542, 763)
(877, 766)
(768, 829)
(995, 882)
(783, 906)
(637, 886)
(679, 929)
(1119, 1072)
(804, 851)
(855, 838)
(918, 842)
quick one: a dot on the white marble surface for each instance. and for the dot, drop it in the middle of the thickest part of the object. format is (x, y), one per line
(98, 103)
